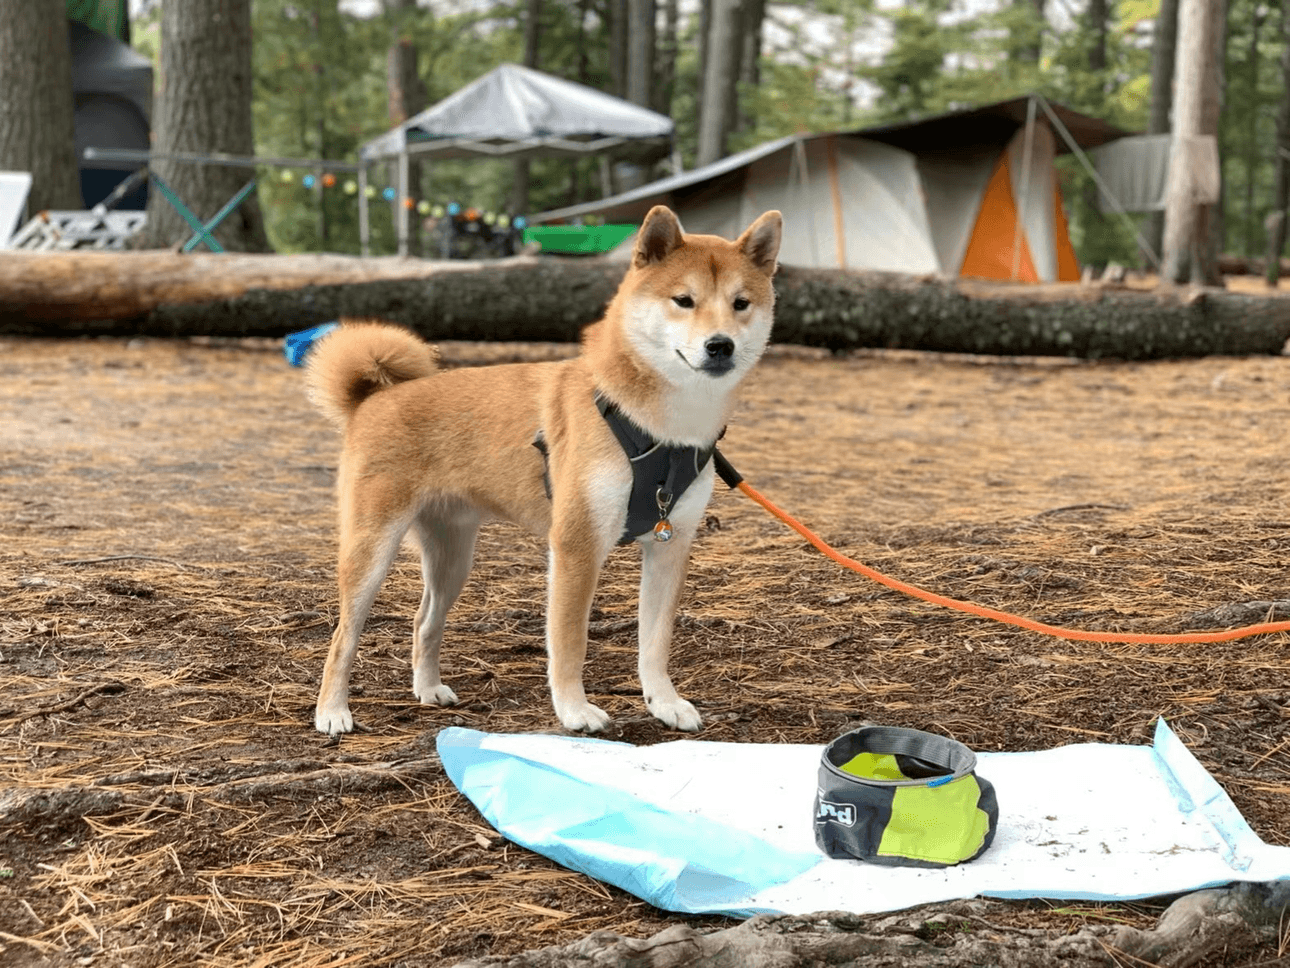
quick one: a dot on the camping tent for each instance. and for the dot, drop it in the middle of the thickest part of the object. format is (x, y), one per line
(515, 112)
(112, 85)
(970, 193)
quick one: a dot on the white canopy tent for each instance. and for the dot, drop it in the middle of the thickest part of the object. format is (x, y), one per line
(514, 112)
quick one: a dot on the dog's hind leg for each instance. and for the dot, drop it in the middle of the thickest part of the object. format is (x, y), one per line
(663, 568)
(447, 538)
(367, 549)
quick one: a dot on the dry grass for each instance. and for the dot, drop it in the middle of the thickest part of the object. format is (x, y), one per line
(166, 590)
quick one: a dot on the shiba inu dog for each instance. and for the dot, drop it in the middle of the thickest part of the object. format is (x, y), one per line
(612, 446)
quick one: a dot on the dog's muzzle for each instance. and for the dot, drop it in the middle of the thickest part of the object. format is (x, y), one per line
(718, 355)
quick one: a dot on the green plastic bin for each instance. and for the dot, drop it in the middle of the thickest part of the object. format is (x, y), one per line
(578, 239)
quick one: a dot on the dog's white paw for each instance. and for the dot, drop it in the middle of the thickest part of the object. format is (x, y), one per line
(676, 713)
(439, 695)
(582, 717)
(333, 721)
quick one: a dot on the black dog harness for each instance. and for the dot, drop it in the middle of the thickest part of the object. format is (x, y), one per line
(660, 474)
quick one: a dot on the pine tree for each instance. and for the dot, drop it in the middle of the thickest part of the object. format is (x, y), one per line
(204, 105)
(36, 127)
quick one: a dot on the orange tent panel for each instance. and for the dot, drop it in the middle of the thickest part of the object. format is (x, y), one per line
(990, 249)
(1067, 264)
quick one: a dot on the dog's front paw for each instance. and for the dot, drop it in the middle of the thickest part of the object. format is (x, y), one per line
(582, 717)
(333, 721)
(439, 695)
(676, 713)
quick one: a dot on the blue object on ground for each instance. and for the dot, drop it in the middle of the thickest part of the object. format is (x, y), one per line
(676, 861)
(297, 345)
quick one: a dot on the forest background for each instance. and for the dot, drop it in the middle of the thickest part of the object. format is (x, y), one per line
(322, 87)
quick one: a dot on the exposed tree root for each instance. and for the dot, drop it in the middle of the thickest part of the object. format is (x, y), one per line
(952, 935)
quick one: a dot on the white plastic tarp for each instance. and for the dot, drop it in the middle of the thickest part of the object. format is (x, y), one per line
(726, 828)
(1135, 171)
(14, 188)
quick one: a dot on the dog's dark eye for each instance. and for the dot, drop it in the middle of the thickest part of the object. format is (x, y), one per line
(741, 304)
(685, 302)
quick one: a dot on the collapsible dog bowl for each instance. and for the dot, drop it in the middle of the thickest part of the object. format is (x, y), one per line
(902, 797)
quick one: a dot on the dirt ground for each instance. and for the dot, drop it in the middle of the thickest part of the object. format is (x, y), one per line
(166, 593)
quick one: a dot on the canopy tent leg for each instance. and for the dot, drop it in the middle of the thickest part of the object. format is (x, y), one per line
(606, 179)
(364, 225)
(401, 213)
(1025, 188)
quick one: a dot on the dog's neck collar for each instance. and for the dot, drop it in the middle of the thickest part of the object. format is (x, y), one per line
(660, 473)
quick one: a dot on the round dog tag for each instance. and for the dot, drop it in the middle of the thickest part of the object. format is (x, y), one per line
(663, 530)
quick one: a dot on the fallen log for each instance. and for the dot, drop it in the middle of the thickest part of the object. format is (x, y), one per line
(959, 934)
(1240, 265)
(551, 299)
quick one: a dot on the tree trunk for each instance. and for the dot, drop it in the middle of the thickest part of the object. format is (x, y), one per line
(1186, 226)
(532, 36)
(37, 134)
(1163, 48)
(1253, 147)
(405, 93)
(640, 51)
(321, 84)
(165, 294)
(1027, 48)
(1281, 186)
(1241, 920)
(204, 104)
(618, 21)
(1214, 217)
(704, 32)
(754, 15)
(1095, 19)
(720, 81)
(667, 51)
(584, 77)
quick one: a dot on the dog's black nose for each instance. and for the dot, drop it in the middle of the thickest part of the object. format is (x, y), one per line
(720, 348)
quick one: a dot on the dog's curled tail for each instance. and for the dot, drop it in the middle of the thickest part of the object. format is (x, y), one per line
(360, 358)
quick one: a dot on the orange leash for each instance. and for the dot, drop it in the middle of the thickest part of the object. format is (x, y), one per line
(1262, 628)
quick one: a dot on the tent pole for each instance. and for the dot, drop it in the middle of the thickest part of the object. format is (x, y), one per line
(401, 215)
(364, 226)
(804, 197)
(839, 221)
(1025, 186)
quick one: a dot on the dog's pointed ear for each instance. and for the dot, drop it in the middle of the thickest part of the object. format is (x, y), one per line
(760, 241)
(659, 235)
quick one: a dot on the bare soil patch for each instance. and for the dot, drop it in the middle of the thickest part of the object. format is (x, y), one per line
(166, 594)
